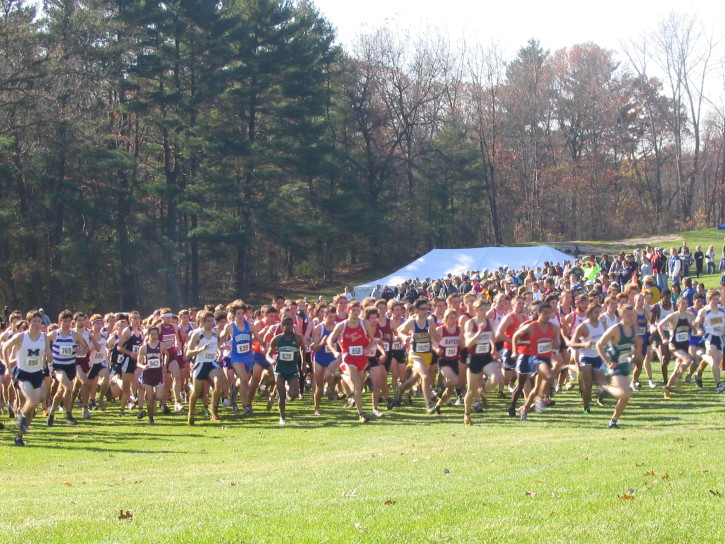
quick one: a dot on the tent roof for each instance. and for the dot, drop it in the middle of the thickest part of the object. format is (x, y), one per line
(438, 263)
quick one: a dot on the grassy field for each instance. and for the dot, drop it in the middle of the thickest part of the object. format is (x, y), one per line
(408, 477)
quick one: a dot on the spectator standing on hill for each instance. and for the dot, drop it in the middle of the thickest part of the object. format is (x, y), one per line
(699, 257)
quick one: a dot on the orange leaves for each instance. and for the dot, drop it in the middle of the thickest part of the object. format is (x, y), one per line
(388, 503)
(124, 515)
(651, 473)
(626, 497)
(68, 484)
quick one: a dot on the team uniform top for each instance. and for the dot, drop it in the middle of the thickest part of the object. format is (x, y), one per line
(241, 343)
(324, 356)
(210, 348)
(622, 352)
(680, 334)
(449, 344)
(516, 322)
(421, 339)
(386, 334)
(482, 348)
(541, 343)
(64, 349)
(353, 341)
(288, 352)
(595, 333)
(31, 354)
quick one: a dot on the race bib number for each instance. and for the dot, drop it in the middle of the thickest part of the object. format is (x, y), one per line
(66, 351)
(682, 337)
(641, 331)
(386, 345)
(286, 356)
(35, 362)
(397, 346)
(154, 362)
(135, 349)
(625, 353)
(242, 348)
(169, 338)
(717, 327)
(543, 347)
(451, 352)
(483, 348)
(422, 347)
(209, 356)
(356, 350)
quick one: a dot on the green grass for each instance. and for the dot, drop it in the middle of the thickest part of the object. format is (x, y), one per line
(556, 478)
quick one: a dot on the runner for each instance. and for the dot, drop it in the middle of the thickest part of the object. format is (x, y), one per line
(202, 349)
(151, 358)
(420, 332)
(129, 343)
(591, 366)
(504, 333)
(99, 375)
(64, 344)
(449, 355)
(680, 325)
(325, 362)
(27, 354)
(711, 320)
(482, 356)
(641, 307)
(171, 337)
(617, 347)
(287, 347)
(83, 363)
(377, 355)
(540, 337)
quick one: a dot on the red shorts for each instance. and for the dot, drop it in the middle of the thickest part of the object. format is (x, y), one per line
(84, 363)
(174, 356)
(359, 362)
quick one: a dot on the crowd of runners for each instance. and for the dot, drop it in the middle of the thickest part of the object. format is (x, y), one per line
(521, 335)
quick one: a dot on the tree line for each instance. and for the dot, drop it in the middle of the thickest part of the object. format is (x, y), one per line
(168, 153)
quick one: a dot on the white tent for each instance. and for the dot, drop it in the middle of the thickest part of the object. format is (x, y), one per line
(438, 263)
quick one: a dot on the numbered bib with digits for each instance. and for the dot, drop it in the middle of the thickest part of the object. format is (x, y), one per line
(682, 336)
(135, 348)
(33, 362)
(153, 361)
(482, 349)
(386, 345)
(543, 346)
(641, 331)
(67, 351)
(287, 356)
(451, 352)
(397, 346)
(242, 348)
(421, 347)
(356, 350)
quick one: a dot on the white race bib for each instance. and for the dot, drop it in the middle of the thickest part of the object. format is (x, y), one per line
(543, 346)
(422, 347)
(242, 348)
(35, 362)
(386, 345)
(451, 352)
(154, 361)
(356, 350)
(286, 356)
(682, 337)
(483, 348)
(66, 351)
(397, 346)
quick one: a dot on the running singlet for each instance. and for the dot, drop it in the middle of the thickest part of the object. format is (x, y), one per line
(100, 355)
(64, 349)
(421, 339)
(714, 323)
(353, 341)
(680, 335)
(541, 343)
(371, 350)
(450, 343)
(595, 333)
(241, 343)
(210, 345)
(288, 352)
(153, 356)
(31, 354)
(516, 322)
(386, 334)
(642, 328)
(483, 344)
(324, 356)
(622, 351)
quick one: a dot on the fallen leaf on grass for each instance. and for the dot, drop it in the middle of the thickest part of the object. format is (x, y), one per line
(703, 471)
(715, 493)
(360, 528)
(446, 471)
(125, 515)
(389, 503)
(627, 497)
(351, 494)
(650, 473)
(531, 493)
(68, 484)
(138, 481)
(639, 465)
(666, 477)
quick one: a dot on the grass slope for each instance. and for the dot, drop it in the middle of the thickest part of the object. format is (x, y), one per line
(406, 478)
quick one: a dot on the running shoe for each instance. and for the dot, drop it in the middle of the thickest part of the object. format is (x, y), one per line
(362, 418)
(70, 420)
(539, 406)
(141, 414)
(247, 410)
(652, 384)
(122, 413)
(569, 386)
(587, 411)
(282, 421)
(178, 407)
(318, 413)
(512, 411)
(434, 410)
(86, 413)
(720, 388)
(558, 389)
(22, 422)
(391, 403)
(165, 409)
(612, 425)
(467, 421)
(459, 401)
(227, 403)
(688, 379)
(698, 383)
(666, 393)
(477, 407)
(51, 419)
(19, 441)
(151, 421)
(235, 409)
(214, 417)
(523, 415)
(377, 413)
(102, 405)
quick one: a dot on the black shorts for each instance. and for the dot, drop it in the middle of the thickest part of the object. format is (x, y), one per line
(399, 355)
(69, 370)
(95, 370)
(35, 379)
(388, 360)
(372, 362)
(434, 359)
(450, 363)
(509, 362)
(476, 363)
(129, 365)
